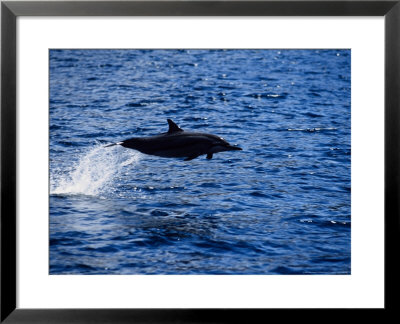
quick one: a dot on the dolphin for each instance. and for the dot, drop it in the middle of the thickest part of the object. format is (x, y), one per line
(177, 143)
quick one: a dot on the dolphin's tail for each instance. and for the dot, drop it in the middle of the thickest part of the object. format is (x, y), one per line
(113, 144)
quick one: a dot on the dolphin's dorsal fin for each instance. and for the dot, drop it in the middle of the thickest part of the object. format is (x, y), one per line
(173, 127)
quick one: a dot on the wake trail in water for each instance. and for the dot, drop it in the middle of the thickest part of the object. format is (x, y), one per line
(94, 172)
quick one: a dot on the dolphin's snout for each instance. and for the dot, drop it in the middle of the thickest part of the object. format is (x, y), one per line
(234, 148)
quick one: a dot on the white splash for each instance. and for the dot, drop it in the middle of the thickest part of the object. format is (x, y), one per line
(94, 172)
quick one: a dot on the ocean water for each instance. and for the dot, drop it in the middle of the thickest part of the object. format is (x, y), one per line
(280, 206)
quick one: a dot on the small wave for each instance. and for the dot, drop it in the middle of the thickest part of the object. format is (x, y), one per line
(268, 95)
(144, 102)
(93, 173)
(312, 115)
(311, 130)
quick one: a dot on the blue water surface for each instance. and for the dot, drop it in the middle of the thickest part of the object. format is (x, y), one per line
(280, 206)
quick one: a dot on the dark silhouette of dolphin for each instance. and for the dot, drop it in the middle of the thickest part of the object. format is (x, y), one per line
(178, 143)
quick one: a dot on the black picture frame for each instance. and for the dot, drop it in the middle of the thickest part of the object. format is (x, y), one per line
(10, 10)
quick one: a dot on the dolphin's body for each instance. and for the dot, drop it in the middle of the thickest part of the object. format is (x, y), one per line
(177, 143)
